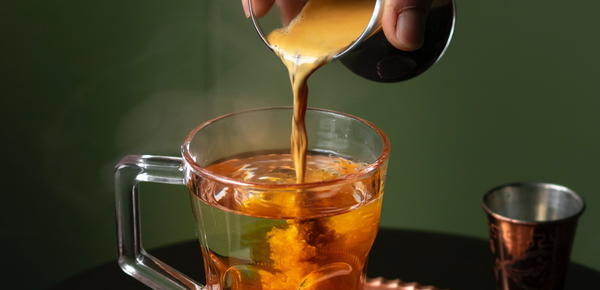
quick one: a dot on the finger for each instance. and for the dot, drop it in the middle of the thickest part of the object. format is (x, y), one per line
(259, 7)
(290, 9)
(246, 9)
(404, 23)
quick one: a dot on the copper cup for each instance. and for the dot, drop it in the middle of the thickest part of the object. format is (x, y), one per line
(532, 226)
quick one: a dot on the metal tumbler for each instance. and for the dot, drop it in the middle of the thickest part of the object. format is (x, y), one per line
(532, 226)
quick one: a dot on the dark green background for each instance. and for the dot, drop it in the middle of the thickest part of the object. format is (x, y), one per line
(515, 98)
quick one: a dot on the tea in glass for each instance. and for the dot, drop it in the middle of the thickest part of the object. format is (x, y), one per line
(257, 239)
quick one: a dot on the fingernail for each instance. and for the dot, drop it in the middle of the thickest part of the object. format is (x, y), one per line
(410, 28)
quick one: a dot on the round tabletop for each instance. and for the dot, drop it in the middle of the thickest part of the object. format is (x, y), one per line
(441, 260)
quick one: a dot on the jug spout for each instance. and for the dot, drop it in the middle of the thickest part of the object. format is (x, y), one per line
(371, 55)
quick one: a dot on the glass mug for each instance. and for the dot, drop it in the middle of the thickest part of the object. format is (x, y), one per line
(313, 235)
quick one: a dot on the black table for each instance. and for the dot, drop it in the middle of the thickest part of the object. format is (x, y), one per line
(445, 261)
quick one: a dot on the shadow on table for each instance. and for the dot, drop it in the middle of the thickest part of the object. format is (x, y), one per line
(448, 261)
(445, 261)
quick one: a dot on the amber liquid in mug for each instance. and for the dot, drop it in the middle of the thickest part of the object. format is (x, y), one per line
(243, 250)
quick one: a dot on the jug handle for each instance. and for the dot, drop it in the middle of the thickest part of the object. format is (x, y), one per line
(133, 259)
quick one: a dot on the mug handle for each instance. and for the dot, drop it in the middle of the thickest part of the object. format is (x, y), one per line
(133, 259)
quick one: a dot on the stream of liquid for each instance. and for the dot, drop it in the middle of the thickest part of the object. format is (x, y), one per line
(321, 30)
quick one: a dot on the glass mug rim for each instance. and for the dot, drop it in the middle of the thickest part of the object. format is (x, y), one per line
(205, 173)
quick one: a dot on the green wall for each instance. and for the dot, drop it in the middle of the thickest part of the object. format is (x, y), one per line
(516, 97)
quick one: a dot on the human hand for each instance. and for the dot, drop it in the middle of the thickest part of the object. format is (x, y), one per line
(403, 20)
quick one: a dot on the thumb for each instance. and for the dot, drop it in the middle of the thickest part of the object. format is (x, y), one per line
(404, 23)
